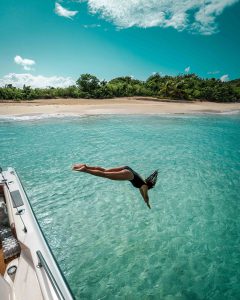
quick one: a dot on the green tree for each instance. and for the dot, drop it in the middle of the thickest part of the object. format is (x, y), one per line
(88, 84)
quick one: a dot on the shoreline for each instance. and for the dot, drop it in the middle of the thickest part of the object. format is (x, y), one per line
(128, 106)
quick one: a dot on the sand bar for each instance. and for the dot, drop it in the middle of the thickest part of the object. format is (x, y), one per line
(133, 105)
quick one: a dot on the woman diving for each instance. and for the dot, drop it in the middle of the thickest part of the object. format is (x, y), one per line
(122, 173)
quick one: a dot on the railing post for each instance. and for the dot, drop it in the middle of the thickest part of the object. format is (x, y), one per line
(42, 264)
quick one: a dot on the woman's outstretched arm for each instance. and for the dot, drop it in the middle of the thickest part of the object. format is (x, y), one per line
(144, 193)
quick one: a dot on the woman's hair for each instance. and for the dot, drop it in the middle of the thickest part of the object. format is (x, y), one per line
(152, 179)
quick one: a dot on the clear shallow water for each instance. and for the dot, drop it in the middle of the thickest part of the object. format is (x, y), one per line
(107, 242)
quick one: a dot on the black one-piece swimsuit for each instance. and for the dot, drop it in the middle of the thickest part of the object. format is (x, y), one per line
(137, 180)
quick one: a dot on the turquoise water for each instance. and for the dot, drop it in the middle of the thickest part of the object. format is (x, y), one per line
(107, 242)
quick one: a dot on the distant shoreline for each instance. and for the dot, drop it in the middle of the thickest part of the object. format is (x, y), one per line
(124, 105)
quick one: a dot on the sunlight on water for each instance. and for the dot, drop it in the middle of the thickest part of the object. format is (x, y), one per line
(107, 242)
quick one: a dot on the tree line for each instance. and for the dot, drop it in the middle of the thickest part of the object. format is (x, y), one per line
(181, 87)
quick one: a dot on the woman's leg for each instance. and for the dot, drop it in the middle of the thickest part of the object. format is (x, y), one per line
(118, 175)
(115, 169)
(79, 166)
(95, 168)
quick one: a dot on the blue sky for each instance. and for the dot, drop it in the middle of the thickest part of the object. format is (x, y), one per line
(45, 42)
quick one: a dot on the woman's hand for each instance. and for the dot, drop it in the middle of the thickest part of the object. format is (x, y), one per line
(144, 193)
(147, 202)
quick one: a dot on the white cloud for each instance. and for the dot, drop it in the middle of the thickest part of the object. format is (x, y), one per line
(63, 12)
(159, 73)
(25, 62)
(39, 81)
(92, 26)
(213, 72)
(224, 78)
(187, 69)
(192, 15)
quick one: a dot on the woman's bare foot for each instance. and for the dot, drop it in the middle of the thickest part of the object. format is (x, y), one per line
(82, 169)
(78, 166)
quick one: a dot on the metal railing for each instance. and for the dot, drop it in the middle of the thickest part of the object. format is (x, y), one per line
(42, 264)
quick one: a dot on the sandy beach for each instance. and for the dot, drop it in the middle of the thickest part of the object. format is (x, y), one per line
(133, 105)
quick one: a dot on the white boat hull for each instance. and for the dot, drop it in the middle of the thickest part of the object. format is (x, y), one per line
(37, 274)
